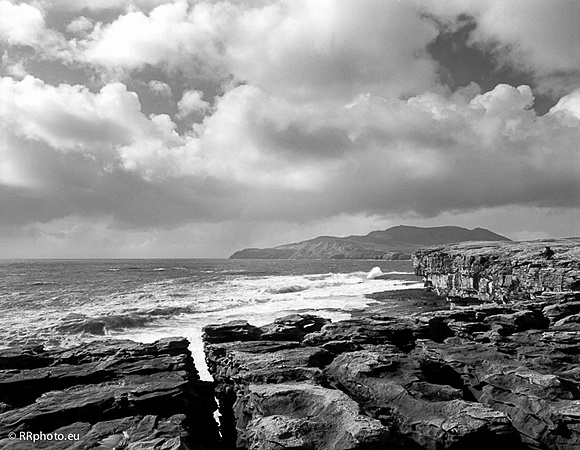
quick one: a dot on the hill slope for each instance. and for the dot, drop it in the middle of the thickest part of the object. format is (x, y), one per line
(394, 243)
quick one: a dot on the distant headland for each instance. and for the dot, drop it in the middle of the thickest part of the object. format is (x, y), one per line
(396, 243)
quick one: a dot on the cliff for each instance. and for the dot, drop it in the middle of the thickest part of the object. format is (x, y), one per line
(501, 271)
(395, 243)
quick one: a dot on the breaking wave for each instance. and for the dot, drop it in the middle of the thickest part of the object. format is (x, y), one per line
(375, 272)
(287, 289)
(75, 323)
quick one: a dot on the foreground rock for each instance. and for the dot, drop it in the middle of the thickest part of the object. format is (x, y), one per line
(491, 376)
(109, 394)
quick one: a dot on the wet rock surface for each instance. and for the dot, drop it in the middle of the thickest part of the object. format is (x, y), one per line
(108, 394)
(500, 374)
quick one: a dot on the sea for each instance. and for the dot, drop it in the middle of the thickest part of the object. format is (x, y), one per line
(62, 303)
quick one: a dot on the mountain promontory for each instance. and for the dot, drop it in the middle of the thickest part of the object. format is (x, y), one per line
(394, 243)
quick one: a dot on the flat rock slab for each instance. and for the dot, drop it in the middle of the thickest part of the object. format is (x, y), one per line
(301, 416)
(106, 394)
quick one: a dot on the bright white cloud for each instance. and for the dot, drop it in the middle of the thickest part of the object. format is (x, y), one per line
(171, 35)
(71, 117)
(191, 101)
(307, 48)
(569, 104)
(21, 24)
(297, 48)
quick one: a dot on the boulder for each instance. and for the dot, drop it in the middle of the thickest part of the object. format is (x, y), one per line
(293, 327)
(235, 330)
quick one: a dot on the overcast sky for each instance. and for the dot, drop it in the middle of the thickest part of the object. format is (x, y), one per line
(159, 128)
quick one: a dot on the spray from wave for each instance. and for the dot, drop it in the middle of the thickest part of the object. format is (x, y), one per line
(374, 273)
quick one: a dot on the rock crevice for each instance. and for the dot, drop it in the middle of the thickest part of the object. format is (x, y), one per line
(108, 394)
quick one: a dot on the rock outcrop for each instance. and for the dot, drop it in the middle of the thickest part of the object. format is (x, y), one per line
(500, 271)
(490, 376)
(106, 395)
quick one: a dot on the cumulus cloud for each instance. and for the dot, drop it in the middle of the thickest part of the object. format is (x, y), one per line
(426, 154)
(532, 35)
(71, 118)
(277, 159)
(296, 48)
(307, 48)
(191, 101)
(171, 35)
(80, 26)
(21, 24)
(160, 88)
(569, 104)
(540, 33)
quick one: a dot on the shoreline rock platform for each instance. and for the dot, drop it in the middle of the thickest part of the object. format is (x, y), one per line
(106, 395)
(504, 373)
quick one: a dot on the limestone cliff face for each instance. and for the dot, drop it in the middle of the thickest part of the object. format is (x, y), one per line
(499, 271)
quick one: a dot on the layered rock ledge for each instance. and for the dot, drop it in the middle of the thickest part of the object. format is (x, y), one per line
(106, 395)
(502, 271)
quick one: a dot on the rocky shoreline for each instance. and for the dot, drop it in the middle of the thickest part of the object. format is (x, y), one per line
(504, 373)
(106, 395)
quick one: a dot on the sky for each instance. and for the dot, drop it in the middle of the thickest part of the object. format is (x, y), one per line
(159, 128)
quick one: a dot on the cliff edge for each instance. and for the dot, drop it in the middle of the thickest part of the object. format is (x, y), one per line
(502, 271)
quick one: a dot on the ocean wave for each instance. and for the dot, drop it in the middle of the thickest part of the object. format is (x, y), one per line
(101, 325)
(169, 311)
(81, 324)
(286, 289)
(375, 272)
